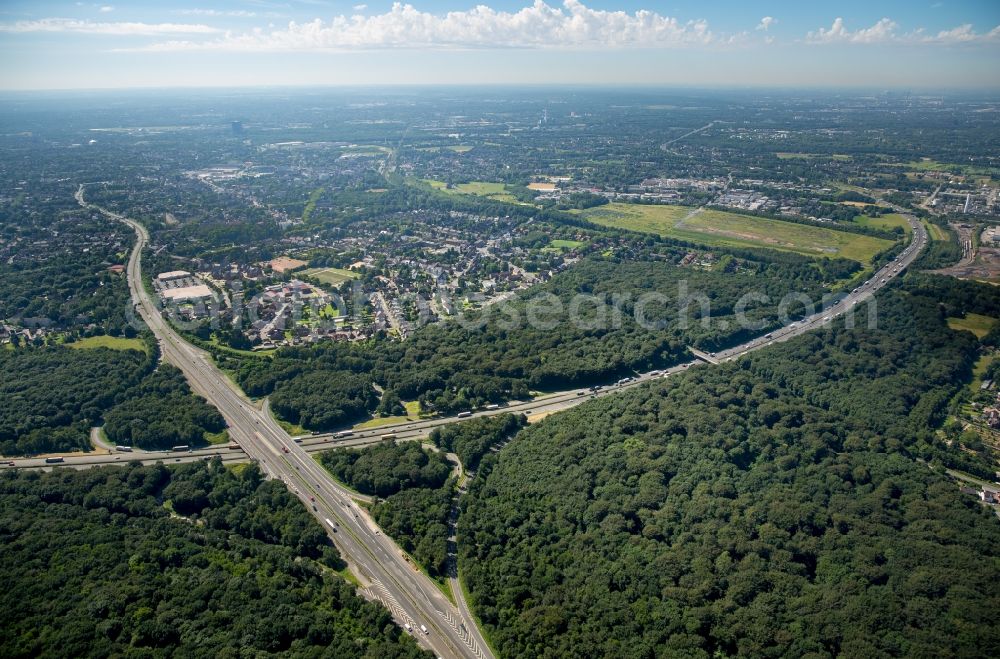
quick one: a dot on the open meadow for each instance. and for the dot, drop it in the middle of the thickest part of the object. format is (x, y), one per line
(330, 276)
(721, 228)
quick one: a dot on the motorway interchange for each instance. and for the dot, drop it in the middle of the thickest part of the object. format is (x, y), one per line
(382, 567)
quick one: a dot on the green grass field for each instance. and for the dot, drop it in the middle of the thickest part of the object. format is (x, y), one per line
(973, 322)
(724, 229)
(931, 165)
(566, 244)
(311, 204)
(979, 369)
(112, 342)
(329, 311)
(412, 414)
(330, 276)
(215, 438)
(481, 188)
(495, 191)
(887, 221)
(291, 428)
(934, 231)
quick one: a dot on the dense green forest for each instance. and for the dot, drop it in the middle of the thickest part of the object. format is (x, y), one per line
(453, 366)
(414, 494)
(940, 253)
(792, 503)
(471, 440)
(162, 412)
(387, 468)
(99, 565)
(417, 518)
(322, 400)
(70, 391)
(67, 392)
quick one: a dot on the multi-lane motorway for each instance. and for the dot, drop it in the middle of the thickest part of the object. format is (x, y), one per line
(411, 596)
(388, 574)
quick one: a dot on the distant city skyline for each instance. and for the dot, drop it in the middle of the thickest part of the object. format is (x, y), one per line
(889, 43)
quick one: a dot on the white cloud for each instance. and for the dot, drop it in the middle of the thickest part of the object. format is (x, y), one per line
(238, 13)
(359, 7)
(885, 31)
(964, 34)
(766, 23)
(106, 9)
(540, 25)
(93, 27)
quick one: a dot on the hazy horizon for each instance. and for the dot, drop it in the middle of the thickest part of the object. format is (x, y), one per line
(56, 45)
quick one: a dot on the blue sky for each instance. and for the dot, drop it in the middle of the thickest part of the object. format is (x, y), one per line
(49, 44)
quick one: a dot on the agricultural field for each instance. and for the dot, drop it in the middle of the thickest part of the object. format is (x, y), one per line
(111, 342)
(495, 191)
(930, 165)
(888, 221)
(973, 322)
(724, 229)
(330, 276)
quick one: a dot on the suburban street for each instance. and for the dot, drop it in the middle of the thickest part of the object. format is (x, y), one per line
(384, 570)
